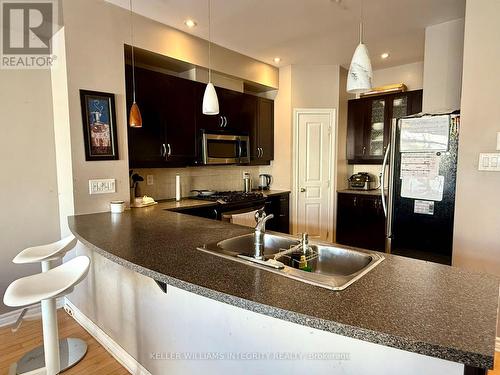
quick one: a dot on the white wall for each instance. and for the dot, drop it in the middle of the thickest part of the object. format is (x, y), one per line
(443, 57)
(281, 166)
(412, 75)
(476, 238)
(29, 214)
(62, 134)
(315, 86)
(201, 75)
(343, 169)
(301, 86)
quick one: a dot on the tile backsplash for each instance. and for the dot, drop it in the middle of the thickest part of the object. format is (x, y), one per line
(220, 178)
(373, 169)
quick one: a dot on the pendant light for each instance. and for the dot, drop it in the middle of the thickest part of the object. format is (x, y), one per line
(359, 78)
(134, 118)
(210, 104)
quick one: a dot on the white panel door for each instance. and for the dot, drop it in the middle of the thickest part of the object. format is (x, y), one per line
(314, 174)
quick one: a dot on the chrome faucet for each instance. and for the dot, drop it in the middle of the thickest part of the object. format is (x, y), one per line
(260, 229)
(304, 243)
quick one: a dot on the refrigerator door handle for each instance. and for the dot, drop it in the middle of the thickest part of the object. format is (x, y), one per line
(390, 195)
(382, 179)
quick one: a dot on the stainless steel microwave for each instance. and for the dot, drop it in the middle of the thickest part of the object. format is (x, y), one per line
(225, 148)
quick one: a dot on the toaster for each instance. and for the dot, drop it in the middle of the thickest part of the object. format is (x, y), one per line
(362, 181)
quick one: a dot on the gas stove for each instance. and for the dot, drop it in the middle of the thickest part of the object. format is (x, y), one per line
(232, 197)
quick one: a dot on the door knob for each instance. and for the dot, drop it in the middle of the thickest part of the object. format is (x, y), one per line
(302, 190)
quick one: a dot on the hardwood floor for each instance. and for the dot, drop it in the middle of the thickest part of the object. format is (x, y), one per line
(496, 370)
(96, 361)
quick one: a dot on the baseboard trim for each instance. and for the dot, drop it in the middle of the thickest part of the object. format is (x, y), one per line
(124, 358)
(497, 344)
(32, 313)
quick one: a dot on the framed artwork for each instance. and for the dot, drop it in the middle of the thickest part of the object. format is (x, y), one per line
(99, 125)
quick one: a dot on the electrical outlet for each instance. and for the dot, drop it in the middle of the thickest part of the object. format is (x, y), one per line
(150, 179)
(245, 173)
(102, 186)
(489, 162)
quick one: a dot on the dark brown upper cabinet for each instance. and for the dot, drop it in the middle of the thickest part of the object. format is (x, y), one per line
(265, 129)
(171, 108)
(369, 122)
(259, 113)
(228, 119)
(168, 134)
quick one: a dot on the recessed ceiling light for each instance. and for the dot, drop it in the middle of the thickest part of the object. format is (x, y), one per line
(385, 55)
(277, 60)
(190, 23)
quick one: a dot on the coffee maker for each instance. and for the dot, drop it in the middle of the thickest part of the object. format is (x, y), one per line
(265, 181)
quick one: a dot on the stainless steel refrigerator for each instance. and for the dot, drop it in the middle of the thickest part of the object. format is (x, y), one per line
(419, 200)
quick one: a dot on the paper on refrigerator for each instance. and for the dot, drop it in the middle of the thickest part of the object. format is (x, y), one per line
(425, 188)
(423, 164)
(424, 134)
(423, 207)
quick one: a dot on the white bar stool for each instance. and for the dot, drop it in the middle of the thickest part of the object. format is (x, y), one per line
(45, 287)
(46, 254)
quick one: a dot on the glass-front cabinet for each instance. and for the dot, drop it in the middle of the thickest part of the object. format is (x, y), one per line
(376, 127)
(369, 122)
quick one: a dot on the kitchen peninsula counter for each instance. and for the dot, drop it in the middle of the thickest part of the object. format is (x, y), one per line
(403, 303)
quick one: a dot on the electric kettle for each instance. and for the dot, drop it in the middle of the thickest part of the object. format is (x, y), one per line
(265, 181)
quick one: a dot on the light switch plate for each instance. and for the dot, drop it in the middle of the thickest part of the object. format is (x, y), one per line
(150, 179)
(489, 162)
(102, 186)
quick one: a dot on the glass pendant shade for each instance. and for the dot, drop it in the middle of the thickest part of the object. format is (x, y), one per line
(359, 78)
(210, 100)
(135, 118)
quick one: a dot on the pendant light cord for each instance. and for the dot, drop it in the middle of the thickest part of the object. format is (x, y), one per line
(209, 41)
(133, 56)
(361, 22)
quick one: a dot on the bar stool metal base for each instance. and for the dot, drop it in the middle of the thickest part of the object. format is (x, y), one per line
(71, 352)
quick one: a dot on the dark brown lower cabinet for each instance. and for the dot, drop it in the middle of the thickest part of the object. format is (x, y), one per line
(360, 221)
(279, 206)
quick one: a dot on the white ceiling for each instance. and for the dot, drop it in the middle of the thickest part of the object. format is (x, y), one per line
(308, 31)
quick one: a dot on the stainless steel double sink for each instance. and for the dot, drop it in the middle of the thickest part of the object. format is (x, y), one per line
(329, 266)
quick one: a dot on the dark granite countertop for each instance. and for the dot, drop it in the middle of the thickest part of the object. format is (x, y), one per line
(421, 307)
(271, 192)
(362, 192)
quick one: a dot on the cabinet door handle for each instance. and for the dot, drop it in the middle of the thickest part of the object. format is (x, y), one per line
(163, 150)
(221, 123)
(261, 152)
(169, 149)
(364, 150)
(302, 190)
(225, 121)
(355, 201)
